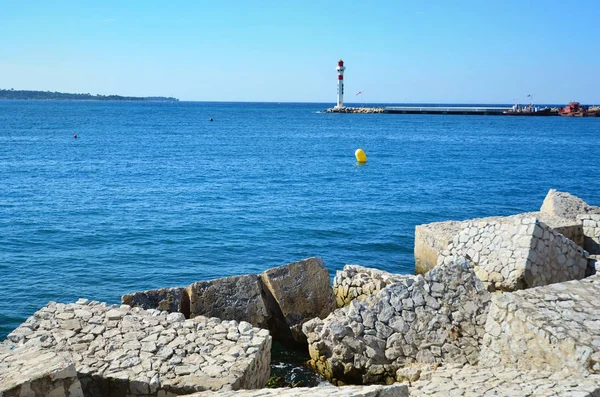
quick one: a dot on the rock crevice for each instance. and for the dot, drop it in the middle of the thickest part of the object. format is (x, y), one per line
(280, 299)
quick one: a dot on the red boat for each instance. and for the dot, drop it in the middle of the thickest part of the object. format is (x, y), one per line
(573, 109)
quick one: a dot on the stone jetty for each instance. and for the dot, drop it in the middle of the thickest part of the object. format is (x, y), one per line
(362, 110)
(500, 306)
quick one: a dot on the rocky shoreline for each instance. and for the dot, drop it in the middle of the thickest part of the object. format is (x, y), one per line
(499, 306)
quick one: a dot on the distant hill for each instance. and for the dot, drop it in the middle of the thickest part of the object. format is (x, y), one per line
(47, 95)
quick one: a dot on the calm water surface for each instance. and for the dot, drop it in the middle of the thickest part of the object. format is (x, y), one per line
(154, 195)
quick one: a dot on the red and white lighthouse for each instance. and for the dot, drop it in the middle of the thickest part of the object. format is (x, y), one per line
(340, 71)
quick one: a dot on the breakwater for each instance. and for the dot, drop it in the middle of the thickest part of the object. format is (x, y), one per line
(469, 110)
(448, 110)
(355, 110)
(509, 308)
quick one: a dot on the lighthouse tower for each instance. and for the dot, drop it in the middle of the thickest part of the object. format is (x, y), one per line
(340, 70)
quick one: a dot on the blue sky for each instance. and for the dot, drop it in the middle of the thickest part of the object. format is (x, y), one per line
(395, 51)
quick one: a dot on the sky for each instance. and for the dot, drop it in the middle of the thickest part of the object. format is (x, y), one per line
(480, 51)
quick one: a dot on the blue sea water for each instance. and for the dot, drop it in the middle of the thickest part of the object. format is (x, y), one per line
(153, 195)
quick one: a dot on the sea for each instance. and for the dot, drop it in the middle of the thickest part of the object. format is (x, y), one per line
(154, 194)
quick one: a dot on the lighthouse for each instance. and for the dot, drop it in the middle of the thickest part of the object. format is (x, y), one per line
(340, 71)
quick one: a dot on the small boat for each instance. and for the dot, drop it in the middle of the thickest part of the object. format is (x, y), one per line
(573, 109)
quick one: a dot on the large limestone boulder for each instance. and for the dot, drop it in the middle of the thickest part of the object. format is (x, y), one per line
(358, 282)
(281, 299)
(302, 291)
(120, 351)
(434, 318)
(560, 211)
(517, 252)
(565, 205)
(554, 327)
(237, 298)
(31, 371)
(430, 240)
(165, 299)
(570, 216)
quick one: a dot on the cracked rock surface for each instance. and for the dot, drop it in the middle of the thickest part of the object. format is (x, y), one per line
(546, 328)
(435, 318)
(134, 352)
(470, 381)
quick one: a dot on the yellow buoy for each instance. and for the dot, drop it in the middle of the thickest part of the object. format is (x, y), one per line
(360, 155)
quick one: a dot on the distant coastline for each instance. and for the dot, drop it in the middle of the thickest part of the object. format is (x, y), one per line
(48, 95)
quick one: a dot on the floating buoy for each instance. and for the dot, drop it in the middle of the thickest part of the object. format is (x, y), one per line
(211, 119)
(360, 155)
(75, 136)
